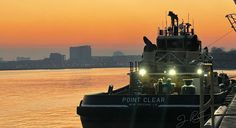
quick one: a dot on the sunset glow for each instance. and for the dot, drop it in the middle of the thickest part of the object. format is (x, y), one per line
(106, 24)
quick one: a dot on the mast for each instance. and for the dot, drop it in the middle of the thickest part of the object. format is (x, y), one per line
(174, 23)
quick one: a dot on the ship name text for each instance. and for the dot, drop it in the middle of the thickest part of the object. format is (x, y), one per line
(143, 99)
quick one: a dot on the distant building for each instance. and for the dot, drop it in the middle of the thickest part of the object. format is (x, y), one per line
(19, 58)
(81, 54)
(118, 53)
(115, 61)
(57, 57)
(1, 59)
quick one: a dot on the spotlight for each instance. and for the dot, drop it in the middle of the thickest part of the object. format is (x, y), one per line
(172, 72)
(199, 71)
(142, 72)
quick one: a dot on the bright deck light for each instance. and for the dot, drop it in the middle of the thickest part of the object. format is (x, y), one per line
(199, 71)
(172, 72)
(142, 72)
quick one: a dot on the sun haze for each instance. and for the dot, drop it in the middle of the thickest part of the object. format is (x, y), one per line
(107, 25)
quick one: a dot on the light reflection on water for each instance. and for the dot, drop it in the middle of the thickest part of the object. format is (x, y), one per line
(48, 98)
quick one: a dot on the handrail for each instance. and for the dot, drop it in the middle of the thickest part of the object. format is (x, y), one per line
(155, 74)
(182, 51)
(168, 53)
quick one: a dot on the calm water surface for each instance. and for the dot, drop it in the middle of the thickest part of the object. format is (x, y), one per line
(48, 98)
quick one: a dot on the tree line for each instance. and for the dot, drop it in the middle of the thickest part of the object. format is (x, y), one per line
(222, 50)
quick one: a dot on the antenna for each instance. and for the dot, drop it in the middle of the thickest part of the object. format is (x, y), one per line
(188, 17)
(166, 18)
(162, 24)
(193, 23)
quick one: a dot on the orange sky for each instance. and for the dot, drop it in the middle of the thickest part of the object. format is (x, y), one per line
(107, 25)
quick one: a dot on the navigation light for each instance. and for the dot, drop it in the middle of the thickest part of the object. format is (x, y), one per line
(172, 72)
(199, 71)
(142, 72)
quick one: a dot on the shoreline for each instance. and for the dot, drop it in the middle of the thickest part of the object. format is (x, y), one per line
(62, 68)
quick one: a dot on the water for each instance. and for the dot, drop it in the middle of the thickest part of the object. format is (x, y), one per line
(48, 98)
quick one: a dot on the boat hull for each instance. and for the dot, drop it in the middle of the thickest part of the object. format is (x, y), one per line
(144, 111)
(142, 118)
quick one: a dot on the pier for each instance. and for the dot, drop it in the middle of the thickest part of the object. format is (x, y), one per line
(225, 115)
(229, 118)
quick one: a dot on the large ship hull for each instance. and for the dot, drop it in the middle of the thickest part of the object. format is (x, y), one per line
(142, 118)
(142, 111)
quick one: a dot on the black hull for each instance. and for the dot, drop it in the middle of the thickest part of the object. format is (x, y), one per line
(144, 118)
(143, 111)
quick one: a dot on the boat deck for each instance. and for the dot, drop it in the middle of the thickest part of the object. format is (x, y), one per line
(230, 118)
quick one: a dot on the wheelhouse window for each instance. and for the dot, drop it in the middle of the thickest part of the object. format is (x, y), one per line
(180, 44)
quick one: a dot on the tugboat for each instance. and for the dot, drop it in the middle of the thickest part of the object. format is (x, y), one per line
(164, 88)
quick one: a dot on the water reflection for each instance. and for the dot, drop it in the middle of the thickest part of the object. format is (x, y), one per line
(48, 98)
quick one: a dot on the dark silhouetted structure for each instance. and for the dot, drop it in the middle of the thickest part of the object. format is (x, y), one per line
(55, 60)
(57, 57)
(232, 20)
(22, 58)
(81, 54)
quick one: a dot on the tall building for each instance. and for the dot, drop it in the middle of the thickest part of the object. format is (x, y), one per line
(81, 54)
(57, 57)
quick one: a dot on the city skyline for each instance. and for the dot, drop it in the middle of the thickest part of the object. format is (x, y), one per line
(37, 28)
(79, 57)
(42, 53)
(67, 53)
